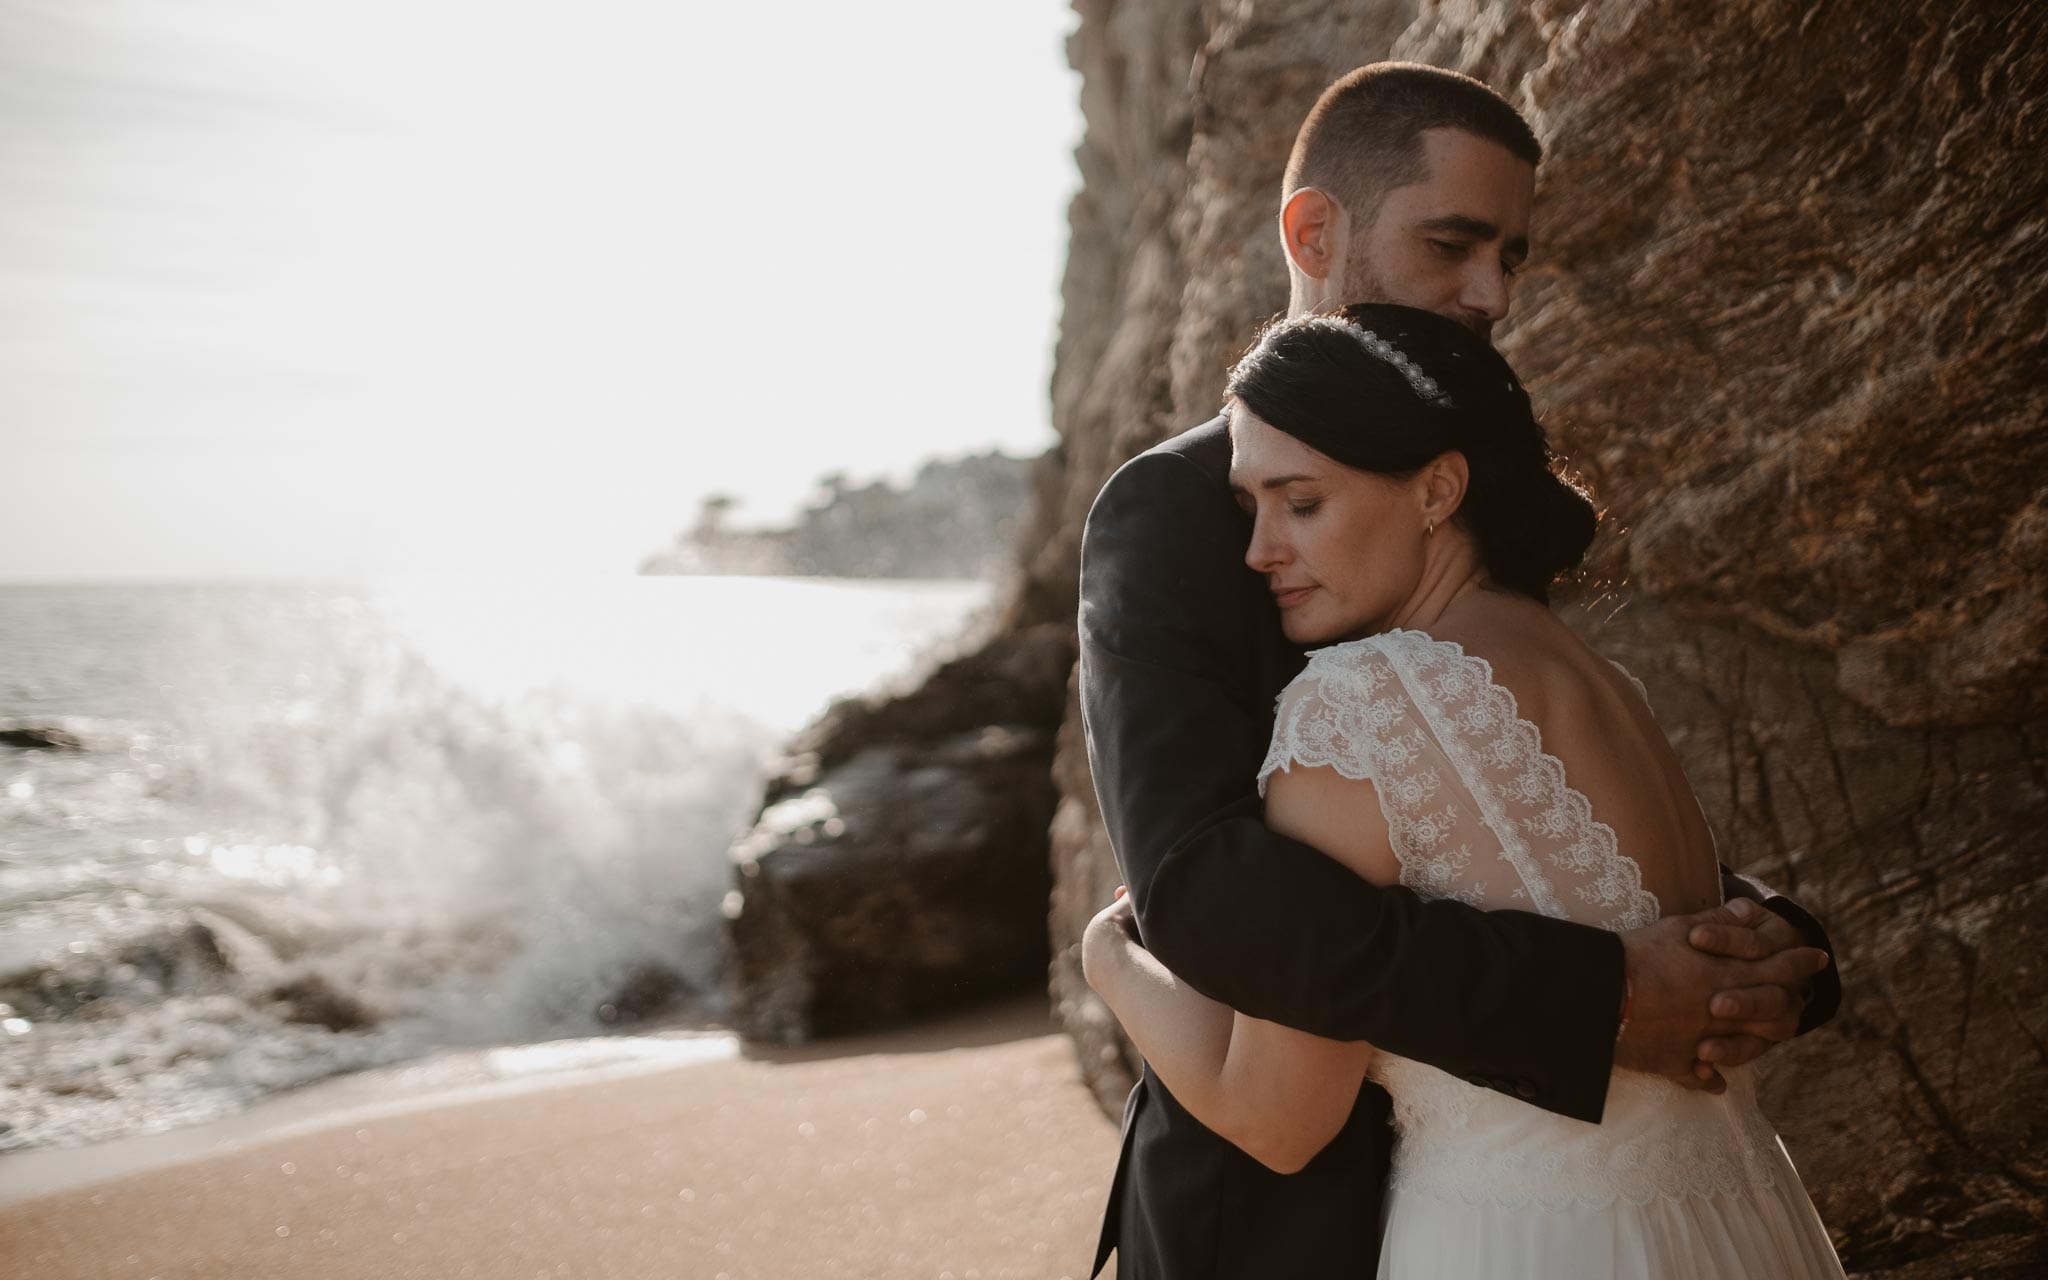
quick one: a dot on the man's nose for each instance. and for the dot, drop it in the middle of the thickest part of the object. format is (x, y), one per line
(1485, 294)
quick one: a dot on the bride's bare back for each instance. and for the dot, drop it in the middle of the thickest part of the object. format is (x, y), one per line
(1593, 719)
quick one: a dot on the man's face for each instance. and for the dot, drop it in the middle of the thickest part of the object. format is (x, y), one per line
(1452, 242)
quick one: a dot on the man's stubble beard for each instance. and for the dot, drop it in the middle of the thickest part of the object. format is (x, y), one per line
(1362, 284)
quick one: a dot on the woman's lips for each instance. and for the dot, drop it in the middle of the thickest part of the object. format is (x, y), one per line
(1292, 596)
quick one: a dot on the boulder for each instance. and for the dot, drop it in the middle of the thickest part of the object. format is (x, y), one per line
(310, 998)
(900, 866)
(40, 738)
(646, 991)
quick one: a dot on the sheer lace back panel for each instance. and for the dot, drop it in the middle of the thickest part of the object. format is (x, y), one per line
(1476, 809)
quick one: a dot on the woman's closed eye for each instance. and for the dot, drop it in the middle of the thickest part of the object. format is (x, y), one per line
(1303, 506)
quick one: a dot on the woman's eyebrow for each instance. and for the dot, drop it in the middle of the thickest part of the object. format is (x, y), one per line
(1237, 484)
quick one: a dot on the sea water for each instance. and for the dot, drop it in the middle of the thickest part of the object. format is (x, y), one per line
(308, 830)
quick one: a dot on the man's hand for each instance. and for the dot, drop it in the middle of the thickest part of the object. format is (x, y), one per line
(1752, 1019)
(1677, 992)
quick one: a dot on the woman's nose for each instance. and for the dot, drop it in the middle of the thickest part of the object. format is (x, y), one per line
(1266, 551)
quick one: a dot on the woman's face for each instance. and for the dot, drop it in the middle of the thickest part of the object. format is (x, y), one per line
(1341, 549)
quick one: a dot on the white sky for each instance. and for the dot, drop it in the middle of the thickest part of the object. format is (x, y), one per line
(329, 288)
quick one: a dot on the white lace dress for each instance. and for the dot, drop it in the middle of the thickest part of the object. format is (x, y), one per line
(1672, 1184)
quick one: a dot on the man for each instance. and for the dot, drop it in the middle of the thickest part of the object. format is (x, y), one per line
(1413, 185)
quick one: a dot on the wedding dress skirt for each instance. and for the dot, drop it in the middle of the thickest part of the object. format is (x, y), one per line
(1671, 1185)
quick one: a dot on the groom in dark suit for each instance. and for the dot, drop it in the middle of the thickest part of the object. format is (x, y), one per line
(1413, 185)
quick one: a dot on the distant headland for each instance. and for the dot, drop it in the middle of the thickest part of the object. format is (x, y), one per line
(956, 519)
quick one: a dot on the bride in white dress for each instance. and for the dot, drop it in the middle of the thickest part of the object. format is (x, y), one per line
(1455, 737)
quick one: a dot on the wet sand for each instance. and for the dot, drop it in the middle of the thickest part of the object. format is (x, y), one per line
(966, 1149)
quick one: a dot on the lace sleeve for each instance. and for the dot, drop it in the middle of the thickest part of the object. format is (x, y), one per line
(1348, 710)
(1333, 715)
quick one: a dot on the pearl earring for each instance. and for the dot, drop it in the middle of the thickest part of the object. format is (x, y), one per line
(1429, 530)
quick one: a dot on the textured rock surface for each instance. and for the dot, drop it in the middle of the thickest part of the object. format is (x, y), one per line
(1787, 312)
(899, 865)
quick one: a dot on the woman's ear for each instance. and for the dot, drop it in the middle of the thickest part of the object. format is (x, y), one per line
(1444, 482)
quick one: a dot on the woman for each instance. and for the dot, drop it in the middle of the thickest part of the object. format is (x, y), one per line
(1406, 517)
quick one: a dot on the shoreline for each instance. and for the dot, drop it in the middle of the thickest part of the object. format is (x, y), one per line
(448, 1078)
(967, 1144)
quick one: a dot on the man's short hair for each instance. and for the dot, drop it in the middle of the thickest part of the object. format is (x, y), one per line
(1363, 138)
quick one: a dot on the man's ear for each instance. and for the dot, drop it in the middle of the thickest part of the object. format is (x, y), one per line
(1312, 231)
(1444, 482)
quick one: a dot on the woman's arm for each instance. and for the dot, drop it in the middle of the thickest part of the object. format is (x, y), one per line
(1277, 1094)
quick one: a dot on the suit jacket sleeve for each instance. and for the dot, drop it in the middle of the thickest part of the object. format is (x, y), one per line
(1508, 1000)
(1824, 993)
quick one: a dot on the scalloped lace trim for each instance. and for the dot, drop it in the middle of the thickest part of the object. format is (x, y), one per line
(1492, 735)
(1355, 721)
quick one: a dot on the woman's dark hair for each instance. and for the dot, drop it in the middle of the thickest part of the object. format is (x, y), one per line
(1387, 389)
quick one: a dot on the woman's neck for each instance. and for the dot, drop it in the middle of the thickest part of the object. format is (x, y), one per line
(1452, 572)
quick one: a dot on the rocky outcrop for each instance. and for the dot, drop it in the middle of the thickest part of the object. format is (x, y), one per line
(1786, 313)
(178, 956)
(899, 866)
(38, 737)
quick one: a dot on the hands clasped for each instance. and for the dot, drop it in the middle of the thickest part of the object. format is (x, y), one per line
(1713, 990)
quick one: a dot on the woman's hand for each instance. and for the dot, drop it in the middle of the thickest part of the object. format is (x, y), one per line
(1104, 941)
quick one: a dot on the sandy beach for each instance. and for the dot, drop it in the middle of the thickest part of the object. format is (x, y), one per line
(966, 1149)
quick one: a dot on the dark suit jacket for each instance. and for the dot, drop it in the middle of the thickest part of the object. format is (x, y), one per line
(1181, 659)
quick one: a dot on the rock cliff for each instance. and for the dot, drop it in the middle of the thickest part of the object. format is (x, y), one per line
(1787, 313)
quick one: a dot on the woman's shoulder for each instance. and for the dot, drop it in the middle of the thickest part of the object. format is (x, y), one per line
(1336, 712)
(1364, 663)
(1501, 625)
(1543, 672)
(1386, 663)
(1521, 665)
(1386, 656)
(1524, 647)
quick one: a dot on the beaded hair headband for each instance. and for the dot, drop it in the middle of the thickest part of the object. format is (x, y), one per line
(1385, 351)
